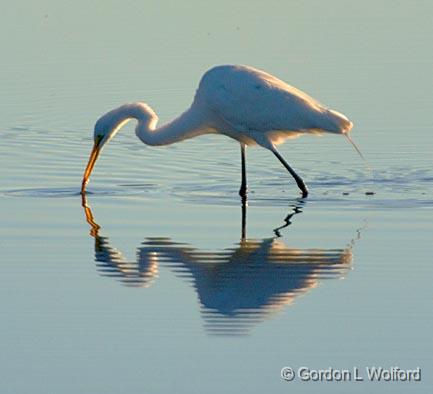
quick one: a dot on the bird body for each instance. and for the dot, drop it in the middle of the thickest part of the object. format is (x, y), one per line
(241, 102)
(255, 107)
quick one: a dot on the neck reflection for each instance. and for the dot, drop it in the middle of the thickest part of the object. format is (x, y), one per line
(238, 286)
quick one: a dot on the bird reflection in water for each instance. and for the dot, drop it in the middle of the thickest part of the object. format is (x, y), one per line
(238, 286)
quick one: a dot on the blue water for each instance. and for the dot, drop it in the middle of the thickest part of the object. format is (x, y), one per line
(162, 281)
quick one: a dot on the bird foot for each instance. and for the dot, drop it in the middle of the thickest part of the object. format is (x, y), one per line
(304, 191)
(243, 191)
(303, 187)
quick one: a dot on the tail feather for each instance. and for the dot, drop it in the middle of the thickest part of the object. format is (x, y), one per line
(338, 122)
(349, 138)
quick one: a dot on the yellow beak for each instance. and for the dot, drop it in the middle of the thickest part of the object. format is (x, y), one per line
(92, 160)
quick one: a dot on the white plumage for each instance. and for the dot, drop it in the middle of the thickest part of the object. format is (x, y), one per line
(261, 107)
(241, 102)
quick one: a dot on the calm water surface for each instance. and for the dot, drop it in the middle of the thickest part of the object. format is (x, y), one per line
(163, 281)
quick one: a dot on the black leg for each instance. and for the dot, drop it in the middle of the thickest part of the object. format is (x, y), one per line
(244, 219)
(297, 178)
(243, 189)
(288, 220)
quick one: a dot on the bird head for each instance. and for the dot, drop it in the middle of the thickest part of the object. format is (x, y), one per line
(105, 129)
(107, 126)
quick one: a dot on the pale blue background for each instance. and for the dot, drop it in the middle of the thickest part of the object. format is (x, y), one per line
(65, 328)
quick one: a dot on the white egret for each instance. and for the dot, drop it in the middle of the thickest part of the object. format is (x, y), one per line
(241, 102)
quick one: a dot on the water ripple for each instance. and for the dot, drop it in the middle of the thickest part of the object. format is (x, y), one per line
(205, 171)
(237, 287)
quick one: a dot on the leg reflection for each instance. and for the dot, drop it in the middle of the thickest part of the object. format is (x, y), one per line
(237, 286)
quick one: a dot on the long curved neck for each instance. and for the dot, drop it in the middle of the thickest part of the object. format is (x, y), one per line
(188, 125)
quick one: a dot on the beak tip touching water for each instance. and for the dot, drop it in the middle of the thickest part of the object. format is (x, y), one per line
(83, 186)
(92, 160)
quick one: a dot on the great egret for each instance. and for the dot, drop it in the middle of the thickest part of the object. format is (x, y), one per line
(241, 102)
